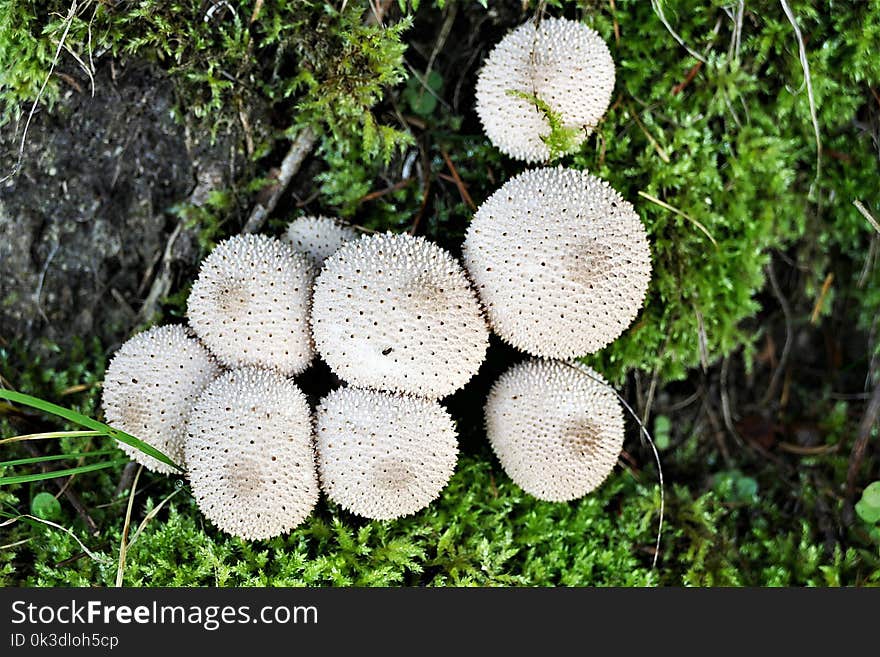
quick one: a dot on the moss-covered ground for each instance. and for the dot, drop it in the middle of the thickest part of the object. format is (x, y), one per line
(754, 360)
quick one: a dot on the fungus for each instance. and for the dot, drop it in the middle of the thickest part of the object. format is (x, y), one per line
(396, 312)
(556, 77)
(250, 456)
(250, 304)
(383, 455)
(557, 431)
(318, 238)
(149, 389)
(560, 260)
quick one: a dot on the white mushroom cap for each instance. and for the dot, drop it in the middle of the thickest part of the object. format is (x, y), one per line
(396, 312)
(562, 63)
(317, 238)
(149, 389)
(383, 455)
(560, 260)
(557, 432)
(250, 455)
(250, 304)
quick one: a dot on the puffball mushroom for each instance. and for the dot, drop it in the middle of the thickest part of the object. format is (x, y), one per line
(561, 67)
(250, 456)
(396, 312)
(560, 260)
(383, 455)
(150, 386)
(557, 431)
(317, 238)
(250, 304)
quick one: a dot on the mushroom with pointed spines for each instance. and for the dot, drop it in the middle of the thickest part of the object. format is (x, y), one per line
(556, 427)
(318, 238)
(150, 386)
(397, 312)
(561, 262)
(250, 304)
(249, 454)
(561, 67)
(383, 455)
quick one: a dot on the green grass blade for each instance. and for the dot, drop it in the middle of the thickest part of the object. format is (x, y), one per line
(42, 476)
(85, 421)
(56, 457)
(53, 434)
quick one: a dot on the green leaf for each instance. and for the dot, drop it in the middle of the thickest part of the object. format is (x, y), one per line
(56, 457)
(871, 495)
(870, 514)
(42, 476)
(89, 423)
(46, 506)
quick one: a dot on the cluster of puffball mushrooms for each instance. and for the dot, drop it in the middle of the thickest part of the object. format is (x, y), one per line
(556, 263)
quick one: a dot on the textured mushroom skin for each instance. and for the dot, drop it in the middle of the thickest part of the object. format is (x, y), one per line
(556, 431)
(250, 304)
(383, 455)
(561, 262)
(564, 64)
(149, 389)
(317, 238)
(396, 312)
(250, 455)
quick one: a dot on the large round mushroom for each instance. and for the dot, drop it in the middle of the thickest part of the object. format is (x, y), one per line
(556, 427)
(149, 388)
(250, 456)
(559, 70)
(383, 455)
(560, 260)
(396, 312)
(250, 304)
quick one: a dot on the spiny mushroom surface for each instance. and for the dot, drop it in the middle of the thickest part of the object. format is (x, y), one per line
(318, 238)
(560, 260)
(561, 67)
(396, 312)
(556, 431)
(250, 456)
(250, 304)
(149, 389)
(383, 455)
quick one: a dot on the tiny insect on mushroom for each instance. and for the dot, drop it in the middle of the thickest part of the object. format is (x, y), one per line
(250, 304)
(556, 428)
(383, 455)
(561, 262)
(149, 389)
(317, 238)
(250, 458)
(396, 312)
(561, 67)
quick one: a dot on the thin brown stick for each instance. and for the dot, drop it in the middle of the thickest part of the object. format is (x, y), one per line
(866, 426)
(789, 331)
(300, 148)
(372, 196)
(691, 74)
(462, 188)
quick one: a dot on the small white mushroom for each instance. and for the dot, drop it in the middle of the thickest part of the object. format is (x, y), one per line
(560, 260)
(383, 455)
(149, 389)
(250, 304)
(563, 67)
(318, 238)
(557, 431)
(250, 456)
(396, 312)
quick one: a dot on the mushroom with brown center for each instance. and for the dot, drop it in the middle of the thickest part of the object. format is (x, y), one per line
(556, 428)
(250, 456)
(383, 455)
(317, 238)
(560, 260)
(250, 304)
(560, 69)
(149, 389)
(396, 312)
